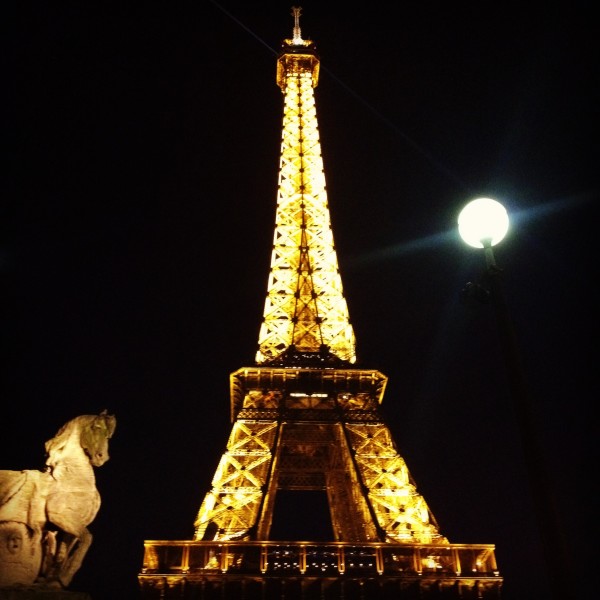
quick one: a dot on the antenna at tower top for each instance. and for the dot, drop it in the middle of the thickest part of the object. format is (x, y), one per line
(297, 35)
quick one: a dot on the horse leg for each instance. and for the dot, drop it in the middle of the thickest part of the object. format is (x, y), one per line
(71, 556)
(49, 557)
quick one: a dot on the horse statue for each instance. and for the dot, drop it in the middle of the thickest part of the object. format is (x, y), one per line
(44, 514)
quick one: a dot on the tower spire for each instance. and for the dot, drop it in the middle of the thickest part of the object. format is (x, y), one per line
(305, 317)
(297, 36)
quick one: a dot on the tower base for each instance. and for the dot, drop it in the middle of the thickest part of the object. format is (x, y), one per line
(317, 571)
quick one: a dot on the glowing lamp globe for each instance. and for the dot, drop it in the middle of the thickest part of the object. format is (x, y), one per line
(483, 222)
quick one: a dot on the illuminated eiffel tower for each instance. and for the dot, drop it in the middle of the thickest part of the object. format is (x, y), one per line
(306, 419)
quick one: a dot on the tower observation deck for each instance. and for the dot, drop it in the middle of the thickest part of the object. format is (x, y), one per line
(305, 418)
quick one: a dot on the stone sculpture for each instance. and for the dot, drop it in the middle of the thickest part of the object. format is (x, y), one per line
(44, 514)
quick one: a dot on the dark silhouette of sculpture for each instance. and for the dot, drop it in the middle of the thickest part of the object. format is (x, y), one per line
(44, 514)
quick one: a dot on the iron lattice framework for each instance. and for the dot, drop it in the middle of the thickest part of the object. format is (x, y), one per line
(304, 418)
(305, 309)
(313, 429)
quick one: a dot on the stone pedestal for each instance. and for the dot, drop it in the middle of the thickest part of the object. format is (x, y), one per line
(39, 593)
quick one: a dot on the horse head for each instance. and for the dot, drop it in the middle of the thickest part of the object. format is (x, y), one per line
(94, 437)
(89, 433)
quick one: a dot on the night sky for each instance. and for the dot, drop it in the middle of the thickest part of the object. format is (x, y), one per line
(143, 147)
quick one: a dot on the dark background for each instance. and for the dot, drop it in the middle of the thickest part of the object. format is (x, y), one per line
(143, 153)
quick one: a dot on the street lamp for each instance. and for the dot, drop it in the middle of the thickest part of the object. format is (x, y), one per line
(482, 223)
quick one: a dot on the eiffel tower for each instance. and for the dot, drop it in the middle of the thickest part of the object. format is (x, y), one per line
(306, 419)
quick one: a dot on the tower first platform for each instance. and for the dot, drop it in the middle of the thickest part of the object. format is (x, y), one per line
(305, 418)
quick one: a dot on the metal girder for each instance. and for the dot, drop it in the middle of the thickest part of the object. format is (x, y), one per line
(232, 506)
(399, 509)
(305, 308)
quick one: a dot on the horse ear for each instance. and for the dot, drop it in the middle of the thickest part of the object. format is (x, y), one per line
(112, 424)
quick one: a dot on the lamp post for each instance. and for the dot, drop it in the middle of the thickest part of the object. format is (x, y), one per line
(482, 223)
